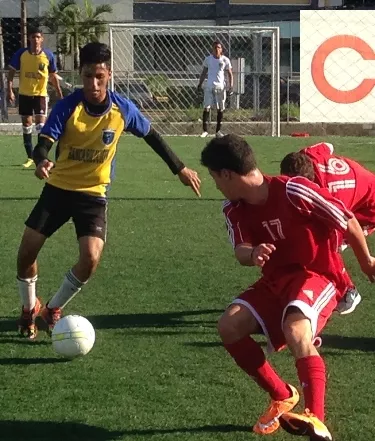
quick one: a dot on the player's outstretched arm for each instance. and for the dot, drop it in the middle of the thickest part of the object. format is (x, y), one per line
(357, 241)
(187, 176)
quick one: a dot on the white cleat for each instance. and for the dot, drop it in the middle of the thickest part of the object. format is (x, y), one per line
(204, 134)
(219, 134)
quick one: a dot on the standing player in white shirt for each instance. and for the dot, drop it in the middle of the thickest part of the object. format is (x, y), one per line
(214, 67)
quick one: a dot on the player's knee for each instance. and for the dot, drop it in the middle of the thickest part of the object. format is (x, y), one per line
(229, 329)
(88, 263)
(39, 127)
(298, 333)
(27, 130)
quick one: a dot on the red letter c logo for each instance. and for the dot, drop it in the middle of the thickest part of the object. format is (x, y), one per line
(318, 75)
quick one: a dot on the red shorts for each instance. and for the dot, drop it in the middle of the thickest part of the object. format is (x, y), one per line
(313, 294)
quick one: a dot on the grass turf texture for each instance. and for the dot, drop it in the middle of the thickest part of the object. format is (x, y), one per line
(157, 371)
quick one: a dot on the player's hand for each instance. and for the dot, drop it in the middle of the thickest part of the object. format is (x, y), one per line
(230, 91)
(43, 169)
(261, 253)
(190, 177)
(369, 269)
(11, 96)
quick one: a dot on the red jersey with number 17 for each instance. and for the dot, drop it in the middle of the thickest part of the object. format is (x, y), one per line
(347, 180)
(301, 219)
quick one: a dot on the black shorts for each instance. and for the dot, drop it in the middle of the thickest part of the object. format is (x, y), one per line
(32, 105)
(56, 206)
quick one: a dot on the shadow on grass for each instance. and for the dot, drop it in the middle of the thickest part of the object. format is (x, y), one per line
(178, 319)
(56, 431)
(363, 344)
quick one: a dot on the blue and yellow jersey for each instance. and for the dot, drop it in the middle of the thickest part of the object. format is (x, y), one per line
(34, 70)
(87, 143)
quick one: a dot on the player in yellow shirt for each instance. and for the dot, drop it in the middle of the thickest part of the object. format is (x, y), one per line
(87, 125)
(37, 66)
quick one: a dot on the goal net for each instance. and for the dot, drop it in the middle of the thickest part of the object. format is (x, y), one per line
(158, 67)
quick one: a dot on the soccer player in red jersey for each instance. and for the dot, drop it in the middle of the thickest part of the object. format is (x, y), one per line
(287, 227)
(348, 181)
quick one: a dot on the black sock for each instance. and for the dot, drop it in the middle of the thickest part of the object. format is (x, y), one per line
(220, 115)
(28, 144)
(206, 115)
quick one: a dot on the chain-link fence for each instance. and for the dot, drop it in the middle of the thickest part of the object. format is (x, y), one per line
(158, 67)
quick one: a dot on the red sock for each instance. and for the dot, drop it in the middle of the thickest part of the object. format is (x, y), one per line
(312, 375)
(249, 356)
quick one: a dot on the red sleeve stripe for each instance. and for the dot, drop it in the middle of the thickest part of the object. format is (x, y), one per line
(326, 208)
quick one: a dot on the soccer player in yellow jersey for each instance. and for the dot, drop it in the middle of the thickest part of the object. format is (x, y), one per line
(36, 66)
(87, 125)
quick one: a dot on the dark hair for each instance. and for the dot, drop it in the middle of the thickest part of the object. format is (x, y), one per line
(95, 53)
(34, 30)
(217, 43)
(297, 164)
(231, 152)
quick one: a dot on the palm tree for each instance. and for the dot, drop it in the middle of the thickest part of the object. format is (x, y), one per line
(57, 19)
(89, 25)
(80, 24)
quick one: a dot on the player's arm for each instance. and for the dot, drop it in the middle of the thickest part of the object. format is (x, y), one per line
(203, 74)
(10, 94)
(54, 80)
(140, 126)
(230, 76)
(245, 253)
(323, 149)
(14, 66)
(312, 200)
(51, 132)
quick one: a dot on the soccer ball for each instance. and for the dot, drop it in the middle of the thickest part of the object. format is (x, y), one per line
(73, 336)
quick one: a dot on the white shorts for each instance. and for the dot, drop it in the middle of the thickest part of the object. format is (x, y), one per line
(214, 97)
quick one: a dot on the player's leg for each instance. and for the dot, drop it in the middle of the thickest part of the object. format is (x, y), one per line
(46, 217)
(25, 110)
(220, 97)
(40, 112)
(90, 219)
(304, 318)
(207, 103)
(249, 315)
(27, 276)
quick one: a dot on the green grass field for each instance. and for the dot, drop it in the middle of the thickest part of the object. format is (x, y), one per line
(157, 370)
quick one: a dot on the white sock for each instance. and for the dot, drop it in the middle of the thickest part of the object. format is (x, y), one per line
(27, 290)
(69, 288)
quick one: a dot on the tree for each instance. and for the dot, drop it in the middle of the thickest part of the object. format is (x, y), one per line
(57, 19)
(80, 24)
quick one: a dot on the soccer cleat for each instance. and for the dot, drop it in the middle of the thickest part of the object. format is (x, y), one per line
(51, 316)
(204, 134)
(348, 303)
(219, 134)
(26, 324)
(269, 421)
(305, 424)
(28, 163)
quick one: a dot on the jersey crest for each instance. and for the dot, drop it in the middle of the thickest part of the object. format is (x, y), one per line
(108, 136)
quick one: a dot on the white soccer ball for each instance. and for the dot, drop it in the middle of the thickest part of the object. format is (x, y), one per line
(73, 336)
